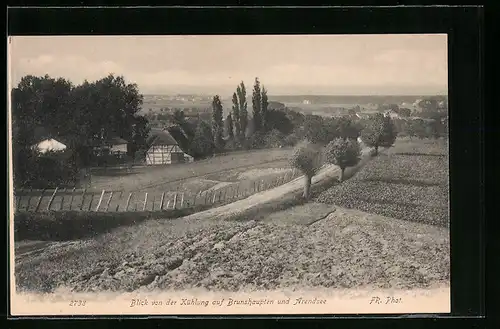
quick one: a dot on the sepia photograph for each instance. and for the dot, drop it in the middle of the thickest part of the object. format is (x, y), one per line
(229, 174)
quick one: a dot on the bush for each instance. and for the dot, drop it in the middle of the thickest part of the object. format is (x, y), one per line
(307, 158)
(343, 153)
(274, 138)
(70, 225)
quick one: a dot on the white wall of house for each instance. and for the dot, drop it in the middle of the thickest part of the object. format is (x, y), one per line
(162, 154)
(119, 148)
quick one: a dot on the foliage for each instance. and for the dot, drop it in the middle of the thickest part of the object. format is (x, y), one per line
(84, 116)
(343, 153)
(278, 120)
(411, 184)
(203, 141)
(243, 118)
(291, 139)
(236, 125)
(256, 106)
(347, 128)
(379, 132)
(71, 225)
(217, 125)
(305, 158)
(264, 110)
(274, 138)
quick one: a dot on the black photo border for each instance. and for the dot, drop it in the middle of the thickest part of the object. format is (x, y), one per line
(464, 26)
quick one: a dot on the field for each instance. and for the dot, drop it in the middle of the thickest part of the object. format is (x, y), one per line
(211, 181)
(325, 243)
(180, 177)
(346, 249)
(409, 181)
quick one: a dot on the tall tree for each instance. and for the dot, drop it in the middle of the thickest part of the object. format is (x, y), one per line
(229, 127)
(140, 134)
(379, 132)
(243, 119)
(236, 116)
(264, 110)
(347, 128)
(257, 106)
(217, 124)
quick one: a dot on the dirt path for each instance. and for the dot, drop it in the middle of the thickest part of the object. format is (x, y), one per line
(259, 199)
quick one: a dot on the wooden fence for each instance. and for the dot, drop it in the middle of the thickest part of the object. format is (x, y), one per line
(111, 201)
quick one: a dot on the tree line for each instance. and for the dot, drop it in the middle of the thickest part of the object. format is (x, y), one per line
(82, 116)
(85, 116)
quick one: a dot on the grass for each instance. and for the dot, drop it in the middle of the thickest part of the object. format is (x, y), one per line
(169, 177)
(409, 182)
(71, 225)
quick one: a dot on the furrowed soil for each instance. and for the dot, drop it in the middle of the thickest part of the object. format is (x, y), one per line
(315, 245)
(409, 181)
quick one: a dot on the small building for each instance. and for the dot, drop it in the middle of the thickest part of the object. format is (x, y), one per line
(112, 145)
(49, 145)
(117, 145)
(164, 149)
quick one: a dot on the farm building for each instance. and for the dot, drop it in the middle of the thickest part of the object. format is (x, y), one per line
(113, 145)
(164, 149)
(117, 145)
(49, 145)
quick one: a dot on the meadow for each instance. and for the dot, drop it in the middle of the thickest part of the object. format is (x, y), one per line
(216, 180)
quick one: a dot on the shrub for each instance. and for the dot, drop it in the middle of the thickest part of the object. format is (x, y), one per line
(307, 158)
(379, 132)
(343, 153)
(70, 225)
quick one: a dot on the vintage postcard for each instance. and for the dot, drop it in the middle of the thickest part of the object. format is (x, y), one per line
(236, 174)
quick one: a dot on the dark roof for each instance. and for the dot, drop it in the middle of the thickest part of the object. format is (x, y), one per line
(159, 136)
(116, 141)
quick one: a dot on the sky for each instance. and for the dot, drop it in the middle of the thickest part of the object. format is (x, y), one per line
(286, 65)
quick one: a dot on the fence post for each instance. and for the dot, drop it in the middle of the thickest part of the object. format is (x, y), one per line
(162, 199)
(175, 201)
(206, 197)
(52, 198)
(168, 204)
(224, 197)
(29, 200)
(72, 198)
(213, 198)
(128, 200)
(39, 201)
(62, 199)
(100, 200)
(118, 203)
(83, 198)
(182, 200)
(145, 202)
(237, 190)
(109, 201)
(91, 200)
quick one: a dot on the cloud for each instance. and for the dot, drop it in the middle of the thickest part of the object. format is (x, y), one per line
(75, 68)
(336, 63)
